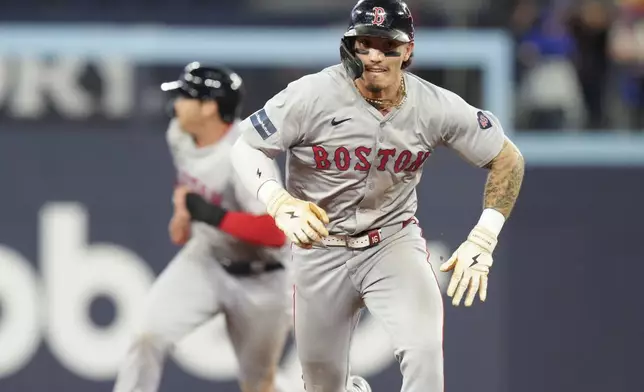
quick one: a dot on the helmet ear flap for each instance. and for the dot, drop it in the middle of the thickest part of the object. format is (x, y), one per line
(169, 108)
(351, 63)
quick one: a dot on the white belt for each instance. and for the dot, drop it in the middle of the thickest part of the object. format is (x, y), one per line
(371, 238)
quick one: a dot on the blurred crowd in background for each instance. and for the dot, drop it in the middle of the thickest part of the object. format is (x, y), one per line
(579, 63)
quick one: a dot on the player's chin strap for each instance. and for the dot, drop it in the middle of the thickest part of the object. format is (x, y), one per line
(351, 63)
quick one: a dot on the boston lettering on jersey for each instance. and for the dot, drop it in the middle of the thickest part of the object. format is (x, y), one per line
(198, 187)
(363, 157)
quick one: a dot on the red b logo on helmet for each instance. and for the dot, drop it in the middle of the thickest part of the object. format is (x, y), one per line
(378, 16)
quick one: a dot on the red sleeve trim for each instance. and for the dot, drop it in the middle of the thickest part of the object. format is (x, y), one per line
(254, 229)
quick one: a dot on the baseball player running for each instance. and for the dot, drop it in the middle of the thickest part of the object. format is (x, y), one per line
(234, 268)
(357, 135)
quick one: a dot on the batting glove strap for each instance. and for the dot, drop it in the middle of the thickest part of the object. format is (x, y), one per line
(483, 238)
(277, 199)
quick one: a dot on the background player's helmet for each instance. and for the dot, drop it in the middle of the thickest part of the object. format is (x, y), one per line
(375, 18)
(217, 83)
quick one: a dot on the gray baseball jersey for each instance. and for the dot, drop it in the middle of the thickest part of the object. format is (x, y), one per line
(362, 167)
(208, 171)
(195, 287)
(358, 165)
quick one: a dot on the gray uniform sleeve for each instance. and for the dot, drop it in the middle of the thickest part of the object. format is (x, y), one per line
(277, 126)
(475, 134)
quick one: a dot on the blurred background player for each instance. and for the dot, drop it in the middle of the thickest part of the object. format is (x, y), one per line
(230, 262)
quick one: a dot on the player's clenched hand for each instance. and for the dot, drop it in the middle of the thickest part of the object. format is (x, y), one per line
(179, 227)
(471, 263)
(301, 221)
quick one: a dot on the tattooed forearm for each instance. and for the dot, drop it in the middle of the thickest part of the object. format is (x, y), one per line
(504, 181)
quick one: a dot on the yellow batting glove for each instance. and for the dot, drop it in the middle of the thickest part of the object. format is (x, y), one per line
(301, 221)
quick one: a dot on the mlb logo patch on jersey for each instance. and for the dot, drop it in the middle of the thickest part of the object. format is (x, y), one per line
(262, 124)
(484, 121)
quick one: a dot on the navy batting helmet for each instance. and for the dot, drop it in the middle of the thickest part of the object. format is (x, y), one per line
(211, 83)
(375, 18)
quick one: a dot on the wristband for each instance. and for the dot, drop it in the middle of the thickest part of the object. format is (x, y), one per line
(201, 210)
(492, 221)
(272, 195)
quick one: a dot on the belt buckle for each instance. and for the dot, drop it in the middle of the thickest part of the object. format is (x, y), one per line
(374, 237)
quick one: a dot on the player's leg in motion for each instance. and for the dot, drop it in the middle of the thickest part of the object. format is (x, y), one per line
(258, 321)
(400, 289)
(326, 305)
(183, 297)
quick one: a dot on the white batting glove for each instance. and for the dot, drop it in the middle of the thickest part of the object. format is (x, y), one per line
(471, 263)
(301, 221)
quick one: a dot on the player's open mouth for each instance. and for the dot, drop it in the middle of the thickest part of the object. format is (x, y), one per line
(376, 70)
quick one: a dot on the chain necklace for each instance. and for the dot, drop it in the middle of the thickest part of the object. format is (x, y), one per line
(382, 104)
